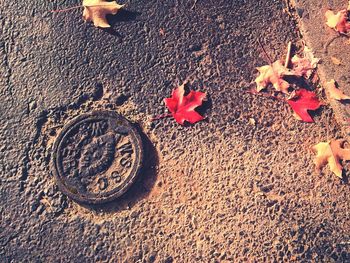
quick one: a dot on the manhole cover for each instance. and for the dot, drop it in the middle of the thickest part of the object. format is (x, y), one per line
(97, 157)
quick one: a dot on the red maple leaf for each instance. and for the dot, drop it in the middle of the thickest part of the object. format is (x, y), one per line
(182, 107)
(303, 101)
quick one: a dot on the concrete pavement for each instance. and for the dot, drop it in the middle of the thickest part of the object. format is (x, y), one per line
(327, 44)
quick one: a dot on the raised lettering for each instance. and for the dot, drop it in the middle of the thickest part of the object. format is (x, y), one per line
(126, 148)
(125, 162)
(102, 183)
(116, 177)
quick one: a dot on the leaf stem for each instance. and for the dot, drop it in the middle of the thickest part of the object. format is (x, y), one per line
(266, 54)
(77, 7)
(67, 9)
(289, 49)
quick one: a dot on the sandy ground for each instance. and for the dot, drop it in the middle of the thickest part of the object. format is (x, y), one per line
(227, 189)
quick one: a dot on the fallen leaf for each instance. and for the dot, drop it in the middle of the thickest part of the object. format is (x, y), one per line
(304, 66)
(334, 92)
(301, 65)
(303, 101)
(338, 21)
(273, 74)
(252, 121)
(310, 56)
(96, 10)
(182, 107)
(336, 61)
(331, 152)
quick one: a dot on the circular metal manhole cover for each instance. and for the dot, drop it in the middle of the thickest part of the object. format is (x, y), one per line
(97, 157)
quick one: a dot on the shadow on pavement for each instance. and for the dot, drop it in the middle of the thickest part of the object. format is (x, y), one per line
(122, 16)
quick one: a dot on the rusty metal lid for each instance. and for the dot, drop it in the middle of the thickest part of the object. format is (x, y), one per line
(97, 157)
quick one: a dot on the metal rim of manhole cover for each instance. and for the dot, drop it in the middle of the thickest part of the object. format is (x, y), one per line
(97, 157)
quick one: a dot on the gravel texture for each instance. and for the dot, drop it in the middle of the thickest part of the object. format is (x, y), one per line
(227, 189)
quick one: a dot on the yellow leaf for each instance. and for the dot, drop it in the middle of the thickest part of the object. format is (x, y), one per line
(332, 19)
(338, 21)
(336, 61)
(331, 152)
(334, 92)
(96, 10)
(273, 74)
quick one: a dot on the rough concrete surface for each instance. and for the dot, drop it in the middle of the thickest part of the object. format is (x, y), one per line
(222, 190)
(327, 44)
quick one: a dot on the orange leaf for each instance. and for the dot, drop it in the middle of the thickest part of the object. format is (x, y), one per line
(334, 92)
(338, 21)
(96, 10)
(273, 74)
(331, 152)
(183, 107)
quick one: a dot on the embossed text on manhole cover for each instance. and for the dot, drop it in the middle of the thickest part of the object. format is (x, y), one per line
(97, 156)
